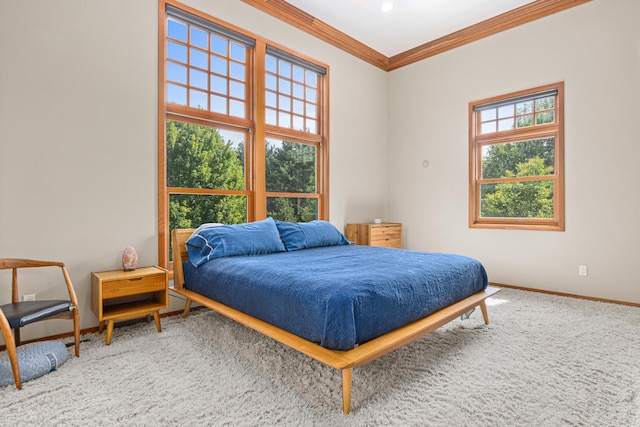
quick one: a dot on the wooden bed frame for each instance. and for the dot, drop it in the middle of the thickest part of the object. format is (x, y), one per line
(345, 361)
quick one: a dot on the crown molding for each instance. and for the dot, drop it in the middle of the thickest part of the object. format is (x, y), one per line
(292, 15)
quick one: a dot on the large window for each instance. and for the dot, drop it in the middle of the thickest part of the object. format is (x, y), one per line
(516, 160)
(242, 127)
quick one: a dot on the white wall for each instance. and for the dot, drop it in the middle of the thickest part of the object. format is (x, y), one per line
(595, 49)
(78, 133)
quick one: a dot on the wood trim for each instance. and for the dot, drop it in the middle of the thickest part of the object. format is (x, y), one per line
(163, 199)
(564, 294)
(292, 15)
(302, 20)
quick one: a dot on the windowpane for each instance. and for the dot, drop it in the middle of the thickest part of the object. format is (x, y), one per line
(177, 73)
(506, 111)
(198, 58)
(237, 71)
(284, 102)
(237, 108)
(177, 30)
(204, 157)
(272, 99)
(546, 117)
(312, 79)
(518, 159)
(197, 99)
(312, 126)
(545, 103)
(528, 199)
(298, 123)
(198, 79)
(524, 107)
(488, 127)
(177, 52)
(292, 209)
(176, 94)
(238, 52)
(524, 121)
(219, 45)
(284, 86)
(219, 65)
(284, 119)
(291, 167)
(489, 114)
(272, 64)
(199, 38)
(219, 104)
(237, 90)
(272, 117)
(193, 210)
(219, 85)
(505, 124)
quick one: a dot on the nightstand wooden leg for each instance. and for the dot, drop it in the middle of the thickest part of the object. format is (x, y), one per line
(109, 331)
(101, 327)
(156, 316)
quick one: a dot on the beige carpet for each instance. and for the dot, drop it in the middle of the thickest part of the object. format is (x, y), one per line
(543, 361)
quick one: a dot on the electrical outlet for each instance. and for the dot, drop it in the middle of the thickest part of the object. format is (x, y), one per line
(29, 297)
(582, 270)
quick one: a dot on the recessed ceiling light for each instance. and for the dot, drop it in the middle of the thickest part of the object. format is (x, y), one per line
(386, 6)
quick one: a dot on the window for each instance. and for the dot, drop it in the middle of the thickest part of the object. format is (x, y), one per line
(516, 172)
(242, 127)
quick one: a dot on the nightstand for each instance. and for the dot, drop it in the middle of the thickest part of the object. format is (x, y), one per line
(122, 295)
(386, 234)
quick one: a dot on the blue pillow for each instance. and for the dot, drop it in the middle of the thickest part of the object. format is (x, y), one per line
(303, 235)
(260, 237)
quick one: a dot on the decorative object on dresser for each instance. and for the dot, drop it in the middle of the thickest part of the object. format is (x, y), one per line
(129, 259)
(387, 234)
(122, 295)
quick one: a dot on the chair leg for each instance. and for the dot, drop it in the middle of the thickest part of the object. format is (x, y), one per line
(16, 336)
(76, 330)
(11, 349)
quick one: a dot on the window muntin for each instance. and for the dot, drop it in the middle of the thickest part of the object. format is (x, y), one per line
(291, 95)
(205, 70)
(210, 90)
(516, 160)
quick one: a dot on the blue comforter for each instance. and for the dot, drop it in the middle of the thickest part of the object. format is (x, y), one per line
(338, 296)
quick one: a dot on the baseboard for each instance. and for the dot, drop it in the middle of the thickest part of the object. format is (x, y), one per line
(563, 294)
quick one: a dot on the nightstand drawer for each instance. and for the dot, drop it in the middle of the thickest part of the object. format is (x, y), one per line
(133, 286)
(386, 233)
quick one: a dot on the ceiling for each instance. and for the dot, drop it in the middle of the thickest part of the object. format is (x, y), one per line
(409, 24)
(413, 30)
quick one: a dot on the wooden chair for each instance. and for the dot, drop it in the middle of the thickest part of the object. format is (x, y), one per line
(21, 313)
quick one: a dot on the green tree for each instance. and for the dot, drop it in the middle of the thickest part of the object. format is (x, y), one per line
(529, 199)
(198, 157)
(291, 168)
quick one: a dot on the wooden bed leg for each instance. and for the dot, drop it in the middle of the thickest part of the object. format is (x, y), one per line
(347, 375)
(483, 307)
(187, 307)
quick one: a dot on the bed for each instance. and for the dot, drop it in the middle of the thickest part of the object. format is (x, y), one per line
(307, 287)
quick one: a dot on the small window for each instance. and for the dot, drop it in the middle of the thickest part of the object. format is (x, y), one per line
(516, 160)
